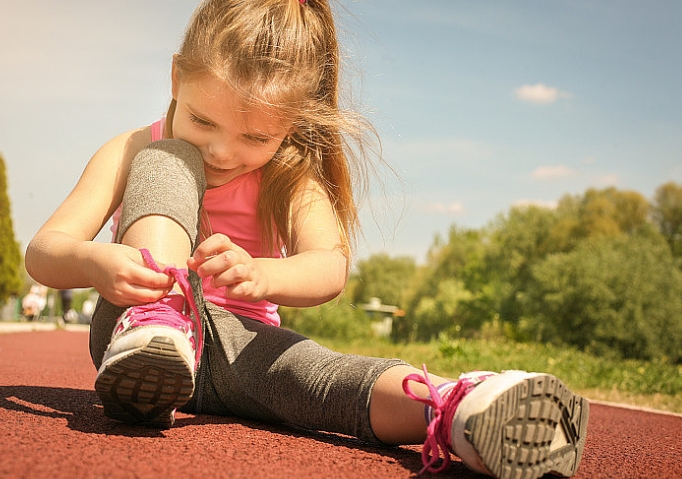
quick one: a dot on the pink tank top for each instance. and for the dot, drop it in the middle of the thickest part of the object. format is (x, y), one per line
(231, 210)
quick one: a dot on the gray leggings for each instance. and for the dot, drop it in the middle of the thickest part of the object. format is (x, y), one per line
(248, 369)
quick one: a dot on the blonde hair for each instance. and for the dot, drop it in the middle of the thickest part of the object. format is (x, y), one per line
(284, 53)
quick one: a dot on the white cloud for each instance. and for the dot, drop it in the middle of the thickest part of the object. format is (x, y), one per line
(551, 172)
(440, 207)
(540, 203)
(540, 94)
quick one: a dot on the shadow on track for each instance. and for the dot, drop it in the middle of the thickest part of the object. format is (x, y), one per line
(82, 411)
(81, 408)
(409, 457)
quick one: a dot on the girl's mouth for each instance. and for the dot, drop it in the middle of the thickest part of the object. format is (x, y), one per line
(217, 169)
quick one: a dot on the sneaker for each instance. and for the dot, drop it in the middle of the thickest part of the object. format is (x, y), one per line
(509, 425)
(148, 368)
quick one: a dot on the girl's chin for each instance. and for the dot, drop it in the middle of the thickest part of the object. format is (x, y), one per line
(217, 177)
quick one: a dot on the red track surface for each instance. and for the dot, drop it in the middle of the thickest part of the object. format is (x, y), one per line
(52, 426)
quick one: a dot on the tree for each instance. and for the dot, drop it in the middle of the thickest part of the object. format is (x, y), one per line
(442, 299)
(10, 257)
(609, 212)
(620, 294)
(383, 277)
(441, 313)
(518, 241)
(666, 212)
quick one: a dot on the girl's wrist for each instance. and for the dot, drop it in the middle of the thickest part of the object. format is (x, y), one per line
(85, 252)
(264, 281)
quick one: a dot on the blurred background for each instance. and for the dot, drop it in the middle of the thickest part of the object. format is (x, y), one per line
(480, 105)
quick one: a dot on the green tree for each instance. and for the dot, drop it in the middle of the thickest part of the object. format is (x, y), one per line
(666, 212)
(10, 256)
(442, 313)
(619, 294)
(609, 212)
(383, 277)
(517, 242)
(442, 298)
(533, 271)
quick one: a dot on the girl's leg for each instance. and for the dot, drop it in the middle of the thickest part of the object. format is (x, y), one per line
(390, 401)
(161, 203)
(513, 424)
(147, 369)
(256, 371)
(160, 212)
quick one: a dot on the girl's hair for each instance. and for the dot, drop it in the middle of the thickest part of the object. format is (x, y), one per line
(284, 53)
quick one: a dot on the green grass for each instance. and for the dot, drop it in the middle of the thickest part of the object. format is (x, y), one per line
(638, 383)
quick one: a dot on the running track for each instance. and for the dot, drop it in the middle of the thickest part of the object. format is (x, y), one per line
(52, 426)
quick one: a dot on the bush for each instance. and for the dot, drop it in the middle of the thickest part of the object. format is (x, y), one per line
(333, 320)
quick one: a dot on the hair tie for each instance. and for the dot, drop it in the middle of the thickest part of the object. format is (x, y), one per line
(302, 2)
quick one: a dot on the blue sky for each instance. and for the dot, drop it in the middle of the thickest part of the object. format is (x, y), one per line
(480, 105)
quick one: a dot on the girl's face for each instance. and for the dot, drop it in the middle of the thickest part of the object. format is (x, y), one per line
(231, 139)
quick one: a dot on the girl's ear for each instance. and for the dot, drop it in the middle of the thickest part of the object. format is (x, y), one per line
(175, 78)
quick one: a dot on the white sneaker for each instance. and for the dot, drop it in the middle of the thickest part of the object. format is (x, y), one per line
(148, 369)
(512, 425)
(521, 425)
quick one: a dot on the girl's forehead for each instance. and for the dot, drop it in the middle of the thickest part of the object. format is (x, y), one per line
(218, 98)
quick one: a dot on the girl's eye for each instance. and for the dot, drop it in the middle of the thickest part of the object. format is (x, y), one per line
(200, 121)
(258, 140)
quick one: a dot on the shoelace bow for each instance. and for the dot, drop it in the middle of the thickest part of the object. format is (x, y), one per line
(181, 276)
(438, 437)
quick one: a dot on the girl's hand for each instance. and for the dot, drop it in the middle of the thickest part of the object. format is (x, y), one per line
(120, 275)
(230, 266)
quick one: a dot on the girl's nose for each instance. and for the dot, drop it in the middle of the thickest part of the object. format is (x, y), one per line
(221, 152)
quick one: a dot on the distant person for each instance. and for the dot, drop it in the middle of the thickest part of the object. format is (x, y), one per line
(248, 182)
(33, 303)
(69, 315)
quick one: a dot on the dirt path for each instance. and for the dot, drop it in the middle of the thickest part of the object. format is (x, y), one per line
(52, 426)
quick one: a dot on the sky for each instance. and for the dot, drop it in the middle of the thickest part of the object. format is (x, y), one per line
(480, 106)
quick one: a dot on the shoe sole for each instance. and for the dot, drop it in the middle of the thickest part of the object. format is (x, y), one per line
(534, 427)
(146, 386)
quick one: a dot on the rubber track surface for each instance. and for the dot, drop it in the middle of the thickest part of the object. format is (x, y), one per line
(52, 426)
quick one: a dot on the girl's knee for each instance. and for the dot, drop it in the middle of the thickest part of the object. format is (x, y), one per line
(172, 153)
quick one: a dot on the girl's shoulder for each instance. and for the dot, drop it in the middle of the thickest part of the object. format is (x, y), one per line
(122, 148)
(132, 140)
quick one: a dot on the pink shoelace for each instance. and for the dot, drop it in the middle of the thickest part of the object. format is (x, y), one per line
(181, 276)
(438, 432)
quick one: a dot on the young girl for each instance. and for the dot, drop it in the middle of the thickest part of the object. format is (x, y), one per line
(247, 182)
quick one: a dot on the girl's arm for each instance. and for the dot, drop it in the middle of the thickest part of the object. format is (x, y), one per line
(317, 270)
(62, 254)
(314, 273)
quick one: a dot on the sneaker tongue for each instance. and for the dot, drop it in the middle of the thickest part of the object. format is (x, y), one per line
(181, 277)
(175, 301)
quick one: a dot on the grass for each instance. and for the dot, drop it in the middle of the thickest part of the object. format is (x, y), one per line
(637, 383)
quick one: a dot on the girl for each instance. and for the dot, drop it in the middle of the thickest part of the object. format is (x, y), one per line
(247, 182)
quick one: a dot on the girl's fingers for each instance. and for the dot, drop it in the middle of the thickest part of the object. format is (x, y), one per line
(153, 280)
(212, 246)
(217, 264)
(216, 255)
